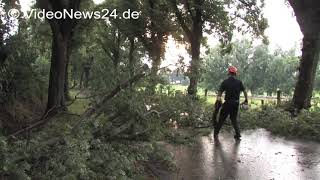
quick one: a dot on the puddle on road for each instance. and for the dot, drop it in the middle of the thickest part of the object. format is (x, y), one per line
(258, 156)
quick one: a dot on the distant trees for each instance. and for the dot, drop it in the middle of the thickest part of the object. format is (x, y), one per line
(261, 70)
(281, 72)
(197, 17)
(153, 30)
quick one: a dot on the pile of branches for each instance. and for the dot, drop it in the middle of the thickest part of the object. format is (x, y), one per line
(93, 112)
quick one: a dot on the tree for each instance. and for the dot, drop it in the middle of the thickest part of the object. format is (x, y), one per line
(307, 14)
(259, 69)
(111, 42)
(131, 31)
(198, 16)
(155, 35)
(317, 81)
(251, 62)
(61, 36)
(280, 72)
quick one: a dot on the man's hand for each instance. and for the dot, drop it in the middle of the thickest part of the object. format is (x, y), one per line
(246, 97)
(219, 99)
(245, 102)
(218, 104)
(244, 105)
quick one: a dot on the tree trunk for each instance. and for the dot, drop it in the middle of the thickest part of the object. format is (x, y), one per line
(195, 38)
(156, 48)
(307, 14)
(56, 98)
(194, 74)
(131, 57)
(61, 34)
(66, 83)
(307, 71)
(156, 62)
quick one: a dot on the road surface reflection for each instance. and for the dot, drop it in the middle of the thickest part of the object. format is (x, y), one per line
(258, 156)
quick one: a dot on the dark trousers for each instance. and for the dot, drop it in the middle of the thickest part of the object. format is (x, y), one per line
(229, 108)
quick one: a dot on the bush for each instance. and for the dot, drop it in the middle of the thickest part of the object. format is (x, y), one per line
(279, 121)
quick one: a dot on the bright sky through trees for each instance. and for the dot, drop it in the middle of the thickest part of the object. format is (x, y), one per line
(283, 30)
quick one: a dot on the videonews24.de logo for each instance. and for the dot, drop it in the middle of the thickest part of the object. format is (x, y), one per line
(104, 14)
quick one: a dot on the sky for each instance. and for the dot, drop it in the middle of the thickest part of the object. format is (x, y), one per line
(283, 31)
(283, 28)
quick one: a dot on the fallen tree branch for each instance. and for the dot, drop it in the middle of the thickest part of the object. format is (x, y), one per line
(41, 121)
(97, 109)
(122, 128)
(89, 112)
(75, 99)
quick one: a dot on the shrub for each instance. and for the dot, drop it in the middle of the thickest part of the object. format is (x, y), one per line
(279, 121)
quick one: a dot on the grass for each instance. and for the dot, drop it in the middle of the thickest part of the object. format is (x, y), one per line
(211, 99)
(80, 105)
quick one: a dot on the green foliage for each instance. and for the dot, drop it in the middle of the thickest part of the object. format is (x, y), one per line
(24, 76)
(27, 68)
(181, 109)
(12, 161)
(260, 70)
(279, 121)
(118, 143)
(58, 154)
(220, 18)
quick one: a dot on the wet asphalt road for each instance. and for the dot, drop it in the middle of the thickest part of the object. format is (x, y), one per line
(258, 156)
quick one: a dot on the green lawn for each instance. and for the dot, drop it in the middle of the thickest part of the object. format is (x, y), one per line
(78, 106)
(254, 103)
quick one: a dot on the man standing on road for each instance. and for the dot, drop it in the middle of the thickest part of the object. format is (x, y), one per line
(232, 88)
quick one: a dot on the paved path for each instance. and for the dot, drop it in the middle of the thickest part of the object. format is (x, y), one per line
(258, 156)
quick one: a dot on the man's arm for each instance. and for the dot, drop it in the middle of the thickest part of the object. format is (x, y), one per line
(219, 96)
(220, 92)
(243, 89)
(245, 96)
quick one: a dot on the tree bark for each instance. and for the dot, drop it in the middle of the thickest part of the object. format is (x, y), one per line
(66, 83)
(156, 62)
(307, 14)
(61, 35)
(116, 54)
(194, 74)
(56, 98)
(195, 40)
(194, 36)
(156, 52)
(156, 49)
(131, 57)
(307, 71)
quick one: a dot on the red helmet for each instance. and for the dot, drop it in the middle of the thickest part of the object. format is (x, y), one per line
(232, 70)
